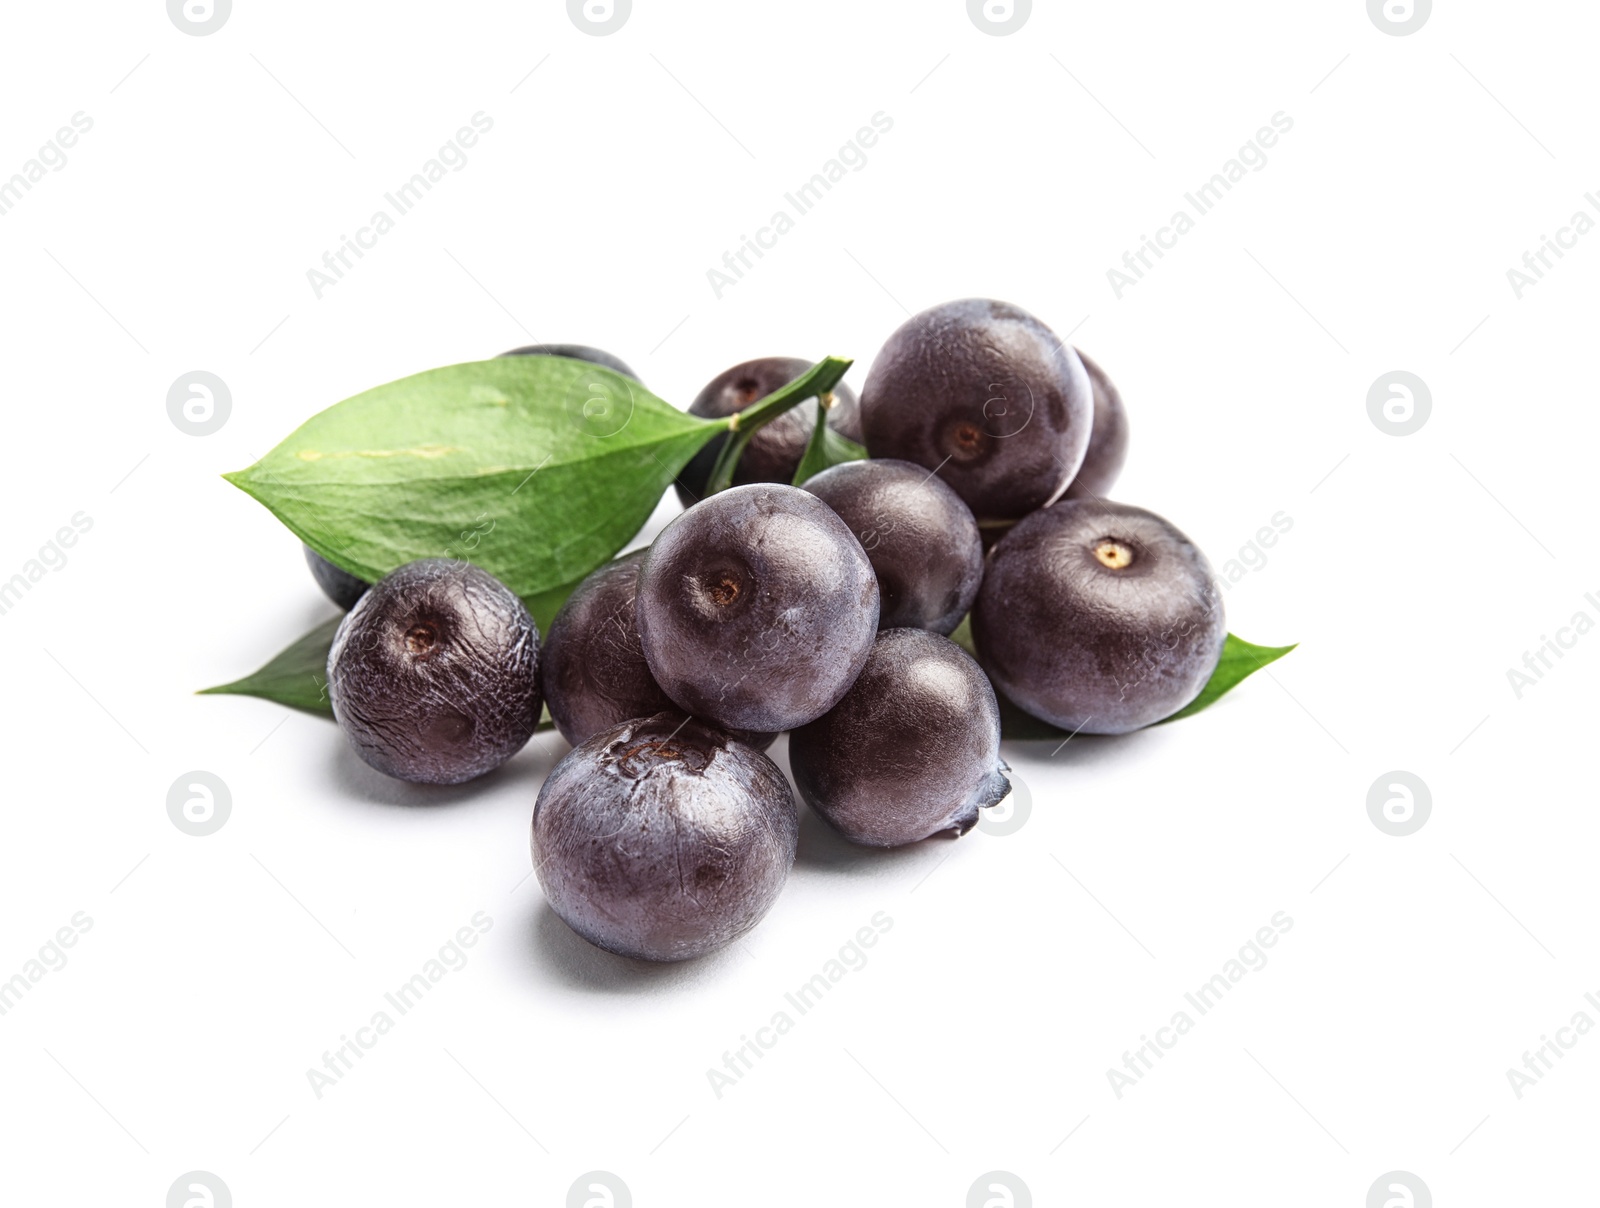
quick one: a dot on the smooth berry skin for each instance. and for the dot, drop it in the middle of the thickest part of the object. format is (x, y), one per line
(913, 749)
(987, 396)
(774, 452)
(1108, 442)
(757, 608)
(663, 839)
(340, 586)
(922, 541)
(434, 674)
(575, 352)
(1099, 618)
(592, 666)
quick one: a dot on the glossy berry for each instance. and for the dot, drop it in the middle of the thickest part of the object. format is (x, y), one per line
(913, 749)
(920, 538)
(434, 675)
(1098, 617)
(986, 395)
(340, 586)
(576, 352)
(592, 667)
(663, 839)
(774, 452)
(756, 608)
(1108, 442)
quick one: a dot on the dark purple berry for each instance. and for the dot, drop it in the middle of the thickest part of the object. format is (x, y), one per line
(575, 352)
(920, 538)
(774, 452)
(986, 395)
(434, 675)
(663, 839)
(1098, 617)
(913, 749)
(1108, 442)
(756, 608)
(593, 668)
(340, 586)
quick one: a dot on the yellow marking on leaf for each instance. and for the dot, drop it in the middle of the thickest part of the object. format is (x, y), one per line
(420, 451)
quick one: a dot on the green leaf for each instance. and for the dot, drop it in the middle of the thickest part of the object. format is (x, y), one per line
(296, 676)
(826, 449)
(1240, 660)
(537, 469)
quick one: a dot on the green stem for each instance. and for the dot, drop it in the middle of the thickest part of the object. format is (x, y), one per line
(742, 425)
(815, 457)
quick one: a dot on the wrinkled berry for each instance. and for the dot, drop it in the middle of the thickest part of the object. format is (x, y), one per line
(592, 666)
(913, 749)
(774, 452)
(986, 395)
(663, 839)
(756, 608)
(1098, 617)
(434, 674)
(575, 352)
(920, 538)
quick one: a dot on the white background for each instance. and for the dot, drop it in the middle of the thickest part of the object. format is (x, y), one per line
(1019, 968)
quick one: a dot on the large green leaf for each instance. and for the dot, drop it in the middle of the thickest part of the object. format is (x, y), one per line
(537, 469)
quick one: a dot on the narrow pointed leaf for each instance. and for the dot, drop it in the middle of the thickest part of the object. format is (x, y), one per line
(1240, 660)
(296, 676)
(826, 449)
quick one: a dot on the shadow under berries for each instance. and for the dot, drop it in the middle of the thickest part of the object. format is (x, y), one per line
(553, 947)
(522, 775)
(824, 850)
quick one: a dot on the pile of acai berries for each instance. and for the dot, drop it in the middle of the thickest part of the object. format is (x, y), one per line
(820, 610)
